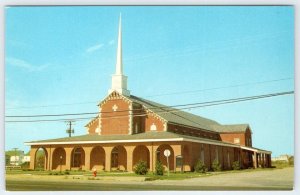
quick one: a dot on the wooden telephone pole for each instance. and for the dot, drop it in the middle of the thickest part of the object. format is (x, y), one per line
(70, 130)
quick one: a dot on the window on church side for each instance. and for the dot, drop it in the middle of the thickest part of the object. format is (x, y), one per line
(228, 159)
(217, 154)
(236, 140)
(153, 127)
(202, 153)
(158, 155)
(136, 129)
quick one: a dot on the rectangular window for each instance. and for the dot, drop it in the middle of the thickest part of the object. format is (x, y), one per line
(179, 161)
(236, 140)
(228, 159)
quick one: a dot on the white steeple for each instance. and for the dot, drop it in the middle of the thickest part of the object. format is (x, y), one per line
(119, 81)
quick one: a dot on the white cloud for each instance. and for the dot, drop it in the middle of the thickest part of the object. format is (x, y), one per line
(111, 42)
(94, 48)
(24, 65)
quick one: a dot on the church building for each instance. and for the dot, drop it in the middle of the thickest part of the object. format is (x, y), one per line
(130, 128)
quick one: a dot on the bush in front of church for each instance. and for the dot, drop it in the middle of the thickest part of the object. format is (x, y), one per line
(141, 168)
(200, 167)
(236, 165)
(159, 169)
(216, 166)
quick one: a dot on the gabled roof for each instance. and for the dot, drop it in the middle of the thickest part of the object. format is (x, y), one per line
(174, 115)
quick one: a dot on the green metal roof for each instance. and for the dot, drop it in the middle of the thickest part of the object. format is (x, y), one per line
(176, 116)
(180, 117)
(231, 128)
(140, 136)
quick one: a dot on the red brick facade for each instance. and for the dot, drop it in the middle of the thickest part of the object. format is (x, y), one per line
(240, 138)
(115, 122)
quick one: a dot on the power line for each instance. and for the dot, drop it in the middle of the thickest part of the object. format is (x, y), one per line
(215, 88)
(154, 107)
(174, 110)
(158, 95)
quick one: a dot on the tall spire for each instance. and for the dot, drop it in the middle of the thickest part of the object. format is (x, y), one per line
(119, 65)
(119, 81)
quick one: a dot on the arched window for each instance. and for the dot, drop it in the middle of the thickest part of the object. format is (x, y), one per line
(77, 157)
(153, 127)
(158, 155)
(114, 157)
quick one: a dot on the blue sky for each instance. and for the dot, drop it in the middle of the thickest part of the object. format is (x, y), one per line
(60, 60)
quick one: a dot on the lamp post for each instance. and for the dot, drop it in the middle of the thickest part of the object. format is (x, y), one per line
(60, 162)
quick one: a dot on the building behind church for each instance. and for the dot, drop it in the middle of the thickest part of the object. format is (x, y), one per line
(130, 128)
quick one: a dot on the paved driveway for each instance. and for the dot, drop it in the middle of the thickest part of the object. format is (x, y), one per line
(278, 178)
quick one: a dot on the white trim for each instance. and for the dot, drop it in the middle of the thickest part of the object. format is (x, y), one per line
(99, 121)
(130, 120)
(108, 141)
(134, 141)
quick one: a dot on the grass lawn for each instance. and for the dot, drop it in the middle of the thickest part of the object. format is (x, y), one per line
(149, 177)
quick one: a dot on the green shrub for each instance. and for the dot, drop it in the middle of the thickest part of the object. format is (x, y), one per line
(159, 169)
(141, 168)
(236, 165)
(67, 172)
(216, 165)
(200, 167)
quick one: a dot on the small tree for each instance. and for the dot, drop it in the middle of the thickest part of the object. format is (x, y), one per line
(159, 169)
(216, 165)
(200, 167)
(236, 165)
(141, 168)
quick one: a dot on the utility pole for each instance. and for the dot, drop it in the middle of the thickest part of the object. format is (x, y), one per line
(70, 130)
(15, 149)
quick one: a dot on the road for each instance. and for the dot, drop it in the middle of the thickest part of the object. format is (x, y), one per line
(280, 179)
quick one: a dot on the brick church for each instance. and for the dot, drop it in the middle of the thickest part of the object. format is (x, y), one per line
(129, 128)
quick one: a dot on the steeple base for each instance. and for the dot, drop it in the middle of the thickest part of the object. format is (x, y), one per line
(120, 91)
(119, 84)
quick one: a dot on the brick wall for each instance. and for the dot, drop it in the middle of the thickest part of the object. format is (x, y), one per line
(114, 122)
(229, 137)
(151, 120)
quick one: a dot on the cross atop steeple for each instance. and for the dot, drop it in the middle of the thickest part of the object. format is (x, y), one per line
(119, 81)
